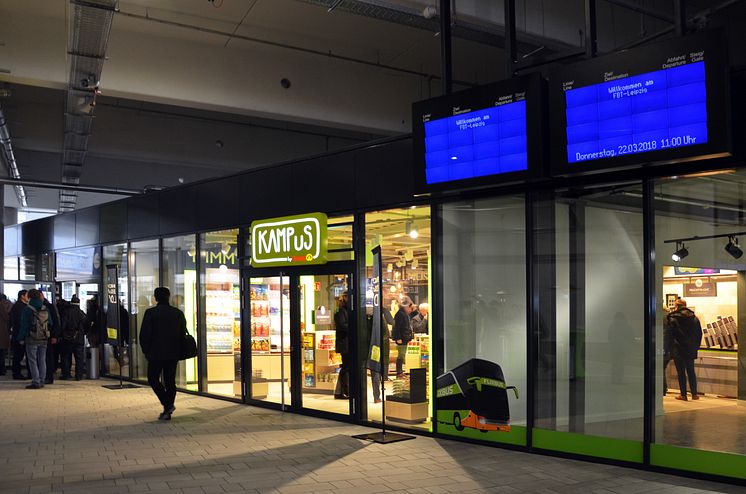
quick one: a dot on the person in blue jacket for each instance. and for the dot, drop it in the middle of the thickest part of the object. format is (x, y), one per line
(36, 347)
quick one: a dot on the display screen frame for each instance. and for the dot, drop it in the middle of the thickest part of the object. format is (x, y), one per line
(475, 99)
(639, 61)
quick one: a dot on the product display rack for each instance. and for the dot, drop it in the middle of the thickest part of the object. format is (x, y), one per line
(220, 317)
(320, 362)
(261, 324)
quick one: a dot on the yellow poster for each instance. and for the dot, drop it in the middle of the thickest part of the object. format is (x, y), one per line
(111, 333)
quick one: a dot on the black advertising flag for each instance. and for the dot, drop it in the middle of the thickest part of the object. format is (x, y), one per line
(376, 343)
(112, 312)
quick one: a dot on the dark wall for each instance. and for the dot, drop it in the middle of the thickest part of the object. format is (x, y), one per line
(362, 178)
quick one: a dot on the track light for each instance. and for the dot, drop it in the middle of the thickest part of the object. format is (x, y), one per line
(732, 248)
(681, 252)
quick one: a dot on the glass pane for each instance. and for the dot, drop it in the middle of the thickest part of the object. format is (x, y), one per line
(269, 304)
(589, 255)
(340, 238)
(404, 237)
(144, 277)
(78, 264)
(27, 268)
(221, 288)
(117, 254)
(700, 311)
(180, 276)
(88, 294)
(484, 297)
(11, 268)
(325, 321)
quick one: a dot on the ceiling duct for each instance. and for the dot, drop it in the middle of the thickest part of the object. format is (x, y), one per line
(88, 37)
(419, 15)
(6, 150)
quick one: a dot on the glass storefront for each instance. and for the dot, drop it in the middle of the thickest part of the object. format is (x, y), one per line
(552, 279)
(220, 290)
(484, 320)
(144, 277)
(589, 286)
(700, 277)
(405, 239)
(179, 261)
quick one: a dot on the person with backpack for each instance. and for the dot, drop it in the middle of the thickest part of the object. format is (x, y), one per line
(35, 331)
(74, 324)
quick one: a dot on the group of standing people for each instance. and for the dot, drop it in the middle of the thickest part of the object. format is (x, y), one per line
(682, 337)
(47, 335)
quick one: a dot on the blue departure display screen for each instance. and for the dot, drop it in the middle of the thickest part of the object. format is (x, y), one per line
(655, 111)
(476, 143)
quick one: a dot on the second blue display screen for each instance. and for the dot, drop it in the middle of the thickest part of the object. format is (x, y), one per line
(644, 113)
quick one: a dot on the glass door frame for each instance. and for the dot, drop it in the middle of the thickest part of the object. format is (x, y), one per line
(293, 274)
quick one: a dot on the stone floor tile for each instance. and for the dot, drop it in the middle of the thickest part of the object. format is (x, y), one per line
(97, 440)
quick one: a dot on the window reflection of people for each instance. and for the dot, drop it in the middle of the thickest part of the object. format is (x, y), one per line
(621, 335)
(402, 332)
(375, 377)
(687, 337)
(93, 313)
(667, 347)
(341, 346)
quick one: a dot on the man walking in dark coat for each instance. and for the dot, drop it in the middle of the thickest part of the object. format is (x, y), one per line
(687, 336)
(162, 331)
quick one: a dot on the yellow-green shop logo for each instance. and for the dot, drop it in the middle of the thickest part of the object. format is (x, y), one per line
(289, 241)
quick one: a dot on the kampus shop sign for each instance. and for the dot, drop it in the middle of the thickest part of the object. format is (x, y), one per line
(289, 241)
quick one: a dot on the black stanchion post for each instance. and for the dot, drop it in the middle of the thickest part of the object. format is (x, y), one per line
(377, 359)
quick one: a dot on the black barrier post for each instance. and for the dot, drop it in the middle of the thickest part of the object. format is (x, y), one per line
(113, 315)
(377, 359)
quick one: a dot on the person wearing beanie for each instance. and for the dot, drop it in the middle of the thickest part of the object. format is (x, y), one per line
(35, 332)
(74, 324)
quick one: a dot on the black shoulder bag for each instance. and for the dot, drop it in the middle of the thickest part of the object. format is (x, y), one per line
(188, 347)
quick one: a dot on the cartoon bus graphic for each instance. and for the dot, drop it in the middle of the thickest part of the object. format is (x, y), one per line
(474, 395)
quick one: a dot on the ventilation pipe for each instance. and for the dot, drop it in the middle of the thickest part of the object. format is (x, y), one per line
(88, 38)
(6, 148)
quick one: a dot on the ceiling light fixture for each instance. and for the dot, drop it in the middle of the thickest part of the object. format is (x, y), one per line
(412, 230)
(732, 247)
(681, 252)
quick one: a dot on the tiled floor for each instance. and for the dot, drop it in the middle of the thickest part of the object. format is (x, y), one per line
(79, 437)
